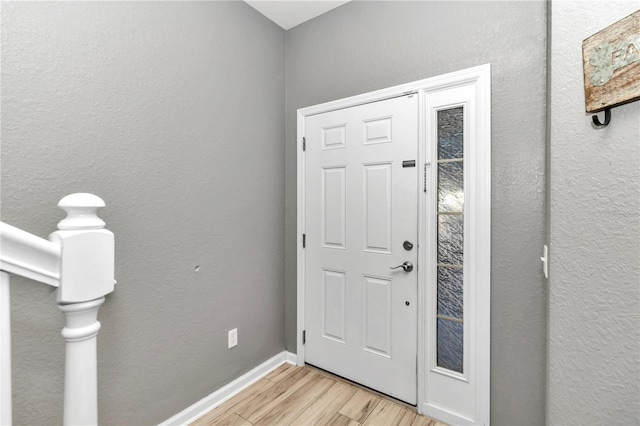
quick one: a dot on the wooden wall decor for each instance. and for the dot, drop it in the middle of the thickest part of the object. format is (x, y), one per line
(611, 60)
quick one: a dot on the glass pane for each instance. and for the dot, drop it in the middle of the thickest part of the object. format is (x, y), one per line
(450, 133)
(450, 187)
(450, 239)
(450, 292)
(450, 345)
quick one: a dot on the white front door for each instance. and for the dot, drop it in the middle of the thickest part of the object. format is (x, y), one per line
(361, 221)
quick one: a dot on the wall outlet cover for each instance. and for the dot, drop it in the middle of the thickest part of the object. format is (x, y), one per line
(232, 338)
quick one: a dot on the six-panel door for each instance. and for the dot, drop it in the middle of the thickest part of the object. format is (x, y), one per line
(361, 206)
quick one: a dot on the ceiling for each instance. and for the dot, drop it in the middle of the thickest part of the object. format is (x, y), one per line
(289, 13)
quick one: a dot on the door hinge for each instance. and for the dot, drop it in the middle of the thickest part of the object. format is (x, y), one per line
(545, 260)
(304, 337)
(304, 240)
(304, 144)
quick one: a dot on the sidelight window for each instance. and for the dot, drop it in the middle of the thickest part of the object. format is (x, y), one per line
(450, 255)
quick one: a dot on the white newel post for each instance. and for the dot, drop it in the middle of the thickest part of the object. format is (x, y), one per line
(80, 375)
(87, 275)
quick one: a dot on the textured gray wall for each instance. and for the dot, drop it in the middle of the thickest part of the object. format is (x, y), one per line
(594, 286)
(174, 114)
(364, 46)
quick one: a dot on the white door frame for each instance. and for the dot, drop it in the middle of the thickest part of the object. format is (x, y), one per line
(479, 233)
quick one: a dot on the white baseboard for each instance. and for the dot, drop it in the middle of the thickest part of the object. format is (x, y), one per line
(291, 358)
(200, 408)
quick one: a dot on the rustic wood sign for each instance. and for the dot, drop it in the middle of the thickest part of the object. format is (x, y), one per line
(611, 60)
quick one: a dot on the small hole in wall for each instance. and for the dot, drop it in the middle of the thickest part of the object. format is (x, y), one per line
(197, 268)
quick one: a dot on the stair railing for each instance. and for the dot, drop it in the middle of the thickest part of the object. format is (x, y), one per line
(78, 259)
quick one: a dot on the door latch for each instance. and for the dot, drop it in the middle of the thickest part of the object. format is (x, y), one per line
(406, 266)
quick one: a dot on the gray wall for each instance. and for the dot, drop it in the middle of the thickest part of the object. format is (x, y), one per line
(174, 114)
(594, 286)
(364, 46)
(147, 105)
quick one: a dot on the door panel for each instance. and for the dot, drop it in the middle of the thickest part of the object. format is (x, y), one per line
(334, 206)
(334, 304)
(361, 205)
(377, 307)
(377, 207)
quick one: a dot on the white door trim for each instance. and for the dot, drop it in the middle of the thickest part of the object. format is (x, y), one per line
(479, 232)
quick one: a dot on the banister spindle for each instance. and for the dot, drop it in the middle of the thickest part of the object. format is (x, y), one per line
(87, 275)
(5, 351)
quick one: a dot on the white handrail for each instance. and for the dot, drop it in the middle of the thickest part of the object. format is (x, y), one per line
(29, 256)
(79, 260)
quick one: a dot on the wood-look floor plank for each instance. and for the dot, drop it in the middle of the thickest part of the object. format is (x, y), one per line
(360, 405)
(228, 406)
(423, 421)
(321, 411)
(357, 386)
(385, 413)
(341, 420)
(301, 396)
(281, 372)
(231, 419)
(290, 407)
(267, 400)
(408, 418)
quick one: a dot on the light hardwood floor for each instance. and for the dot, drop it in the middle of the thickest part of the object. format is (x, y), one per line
(292, 395)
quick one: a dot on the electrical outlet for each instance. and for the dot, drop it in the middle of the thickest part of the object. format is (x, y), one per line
(232, 338)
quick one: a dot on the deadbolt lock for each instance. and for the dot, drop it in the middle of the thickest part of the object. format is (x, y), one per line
(408, 245)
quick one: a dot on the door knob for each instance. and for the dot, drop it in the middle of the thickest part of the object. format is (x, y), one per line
(407, 266)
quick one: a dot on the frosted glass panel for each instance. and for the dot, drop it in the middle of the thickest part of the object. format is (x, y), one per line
(450, 133)
(450, 187)
(450, 292)
(450, 345)
(450, 239)
(450, 257)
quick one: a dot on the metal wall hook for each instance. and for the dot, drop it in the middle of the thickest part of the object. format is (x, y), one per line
(607, 118)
